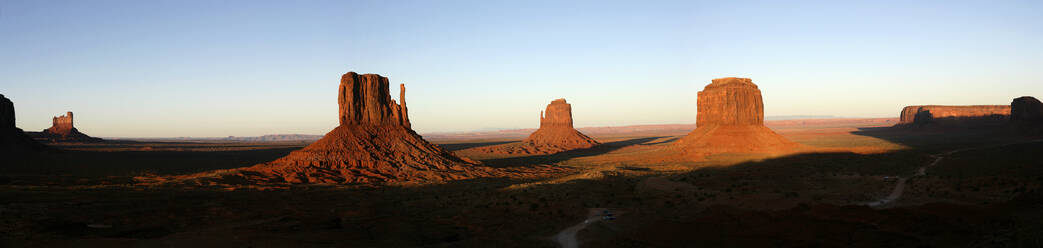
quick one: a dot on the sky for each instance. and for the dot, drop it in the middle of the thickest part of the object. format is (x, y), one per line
(248, 68)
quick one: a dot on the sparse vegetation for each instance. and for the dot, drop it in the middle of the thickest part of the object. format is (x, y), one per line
(777, 193)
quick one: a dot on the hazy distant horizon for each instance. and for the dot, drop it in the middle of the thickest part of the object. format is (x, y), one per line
(215, 69)
(491, 129)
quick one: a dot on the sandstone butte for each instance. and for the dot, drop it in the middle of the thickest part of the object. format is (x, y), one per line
(1027, 113)
(62, 130)
(12, 139)
(920, 115)
(730, 119)
(556, 134)
(374, 143)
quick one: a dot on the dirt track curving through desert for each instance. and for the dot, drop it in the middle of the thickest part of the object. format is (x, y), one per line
(567, 238)
(922, 171)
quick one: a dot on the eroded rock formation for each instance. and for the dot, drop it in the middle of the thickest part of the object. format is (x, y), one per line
(364, 100)
(731, 120)
(62, 123)
(730, 101)
(373, 144)
(556, 134)
(12, 139)
(1026, 109)
(953, 115)
(62, 130)
(7, 120)
(1026, 113)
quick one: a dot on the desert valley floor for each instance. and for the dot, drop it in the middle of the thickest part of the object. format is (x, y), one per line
(857, 183)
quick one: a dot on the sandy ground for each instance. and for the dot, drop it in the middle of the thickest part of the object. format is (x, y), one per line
(87, 196)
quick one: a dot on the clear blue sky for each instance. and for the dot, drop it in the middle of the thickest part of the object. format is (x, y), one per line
(218, 68)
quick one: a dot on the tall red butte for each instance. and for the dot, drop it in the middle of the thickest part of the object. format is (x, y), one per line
(373, 143)
(62, 130)
(556, 134)
(730, 119)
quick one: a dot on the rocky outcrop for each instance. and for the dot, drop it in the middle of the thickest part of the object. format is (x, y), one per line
(557, 115)
(1026, 109)
(953, 115)
(556, 134)
(731, 120)
(373, 144)
(1026, 114)
(730, 101)
(12, 139)
(63, 130)
(61, 124)
(364, 100)
(6, 113)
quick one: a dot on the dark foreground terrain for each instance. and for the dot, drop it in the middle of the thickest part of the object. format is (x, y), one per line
(983, 191)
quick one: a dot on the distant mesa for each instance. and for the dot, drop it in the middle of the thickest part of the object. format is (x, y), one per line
(12, 139)
(943, 115)
(556, 134)
(373, 144)
(730, 119)
(1026, 113)
(62, 130)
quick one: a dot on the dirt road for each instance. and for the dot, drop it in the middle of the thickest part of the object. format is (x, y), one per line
(567, 238)
(922, 171)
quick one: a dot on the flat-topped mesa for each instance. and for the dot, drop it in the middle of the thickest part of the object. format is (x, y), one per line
(558, 114)
(365, 100)
(970, 114)
(730, 101)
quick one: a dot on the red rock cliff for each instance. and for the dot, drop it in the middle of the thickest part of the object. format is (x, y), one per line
(924, 114)
(61, 124)
(63, 130)
(558, 114)
(731, 120)
(373, 144)
(730, 101)
(364, 100)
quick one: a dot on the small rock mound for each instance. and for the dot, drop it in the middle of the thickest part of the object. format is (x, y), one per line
(556, 134)
(731, 120)
(12, 139)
